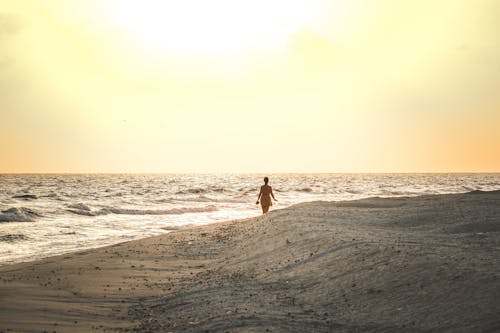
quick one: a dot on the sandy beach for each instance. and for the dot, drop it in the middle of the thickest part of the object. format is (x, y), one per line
(423, 264)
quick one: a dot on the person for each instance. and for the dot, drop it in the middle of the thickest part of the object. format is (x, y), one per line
(265, 194)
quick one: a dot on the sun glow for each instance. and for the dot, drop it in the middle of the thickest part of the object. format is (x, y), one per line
(249, 86)
(217, 27)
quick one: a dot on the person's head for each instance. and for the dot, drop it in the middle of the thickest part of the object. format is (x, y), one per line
(266, 180)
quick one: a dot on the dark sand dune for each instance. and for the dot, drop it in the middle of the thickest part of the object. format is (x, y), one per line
(426, 264)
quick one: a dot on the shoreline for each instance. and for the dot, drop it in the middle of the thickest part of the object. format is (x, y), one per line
(399, 264)
(35, 258)
(69, 213)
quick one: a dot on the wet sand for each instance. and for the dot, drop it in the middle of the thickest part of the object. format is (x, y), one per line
(426, 264)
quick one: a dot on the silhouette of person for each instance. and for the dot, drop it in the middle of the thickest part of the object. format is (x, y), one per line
(265, 194)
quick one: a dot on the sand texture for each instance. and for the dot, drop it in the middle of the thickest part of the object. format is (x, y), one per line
(426, 264)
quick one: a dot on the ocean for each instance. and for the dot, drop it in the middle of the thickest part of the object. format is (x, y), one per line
(52, 214)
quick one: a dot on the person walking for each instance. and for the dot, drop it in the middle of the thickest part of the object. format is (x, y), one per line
(265, 194)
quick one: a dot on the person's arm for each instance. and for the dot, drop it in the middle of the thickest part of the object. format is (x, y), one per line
(258, 197)
(272, 194)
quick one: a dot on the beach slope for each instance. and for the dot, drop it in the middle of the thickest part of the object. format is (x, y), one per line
(424, 264)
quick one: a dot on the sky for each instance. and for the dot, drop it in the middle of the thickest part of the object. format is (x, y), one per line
(249, 86)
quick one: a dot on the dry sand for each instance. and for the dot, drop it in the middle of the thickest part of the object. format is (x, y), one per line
(426, 264)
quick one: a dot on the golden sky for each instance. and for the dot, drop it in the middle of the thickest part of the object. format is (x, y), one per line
(249, 86)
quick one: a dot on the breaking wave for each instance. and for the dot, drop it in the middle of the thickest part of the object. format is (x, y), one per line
(124, 211)
(22, 214)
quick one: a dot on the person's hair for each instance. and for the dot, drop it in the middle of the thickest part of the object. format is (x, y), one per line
(266, 180)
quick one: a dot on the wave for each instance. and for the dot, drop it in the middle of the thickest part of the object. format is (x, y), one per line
(199, 190)
(163, 200)
(194, 190)
(394, 192)
(203, 198)
(80, 209)
(11, 238)
(22, 214)
(125, 211)
(79, 206)
(25, 196)
(52, 195)
(81, 212)
(183, 210)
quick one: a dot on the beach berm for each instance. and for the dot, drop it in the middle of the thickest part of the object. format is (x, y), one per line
(420, 264)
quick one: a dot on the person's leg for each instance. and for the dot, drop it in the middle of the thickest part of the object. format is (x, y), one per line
(265, 209)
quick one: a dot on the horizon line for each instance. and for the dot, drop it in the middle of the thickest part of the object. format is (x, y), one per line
(251, 173)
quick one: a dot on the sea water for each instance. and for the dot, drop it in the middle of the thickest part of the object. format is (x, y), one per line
(45, 215)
